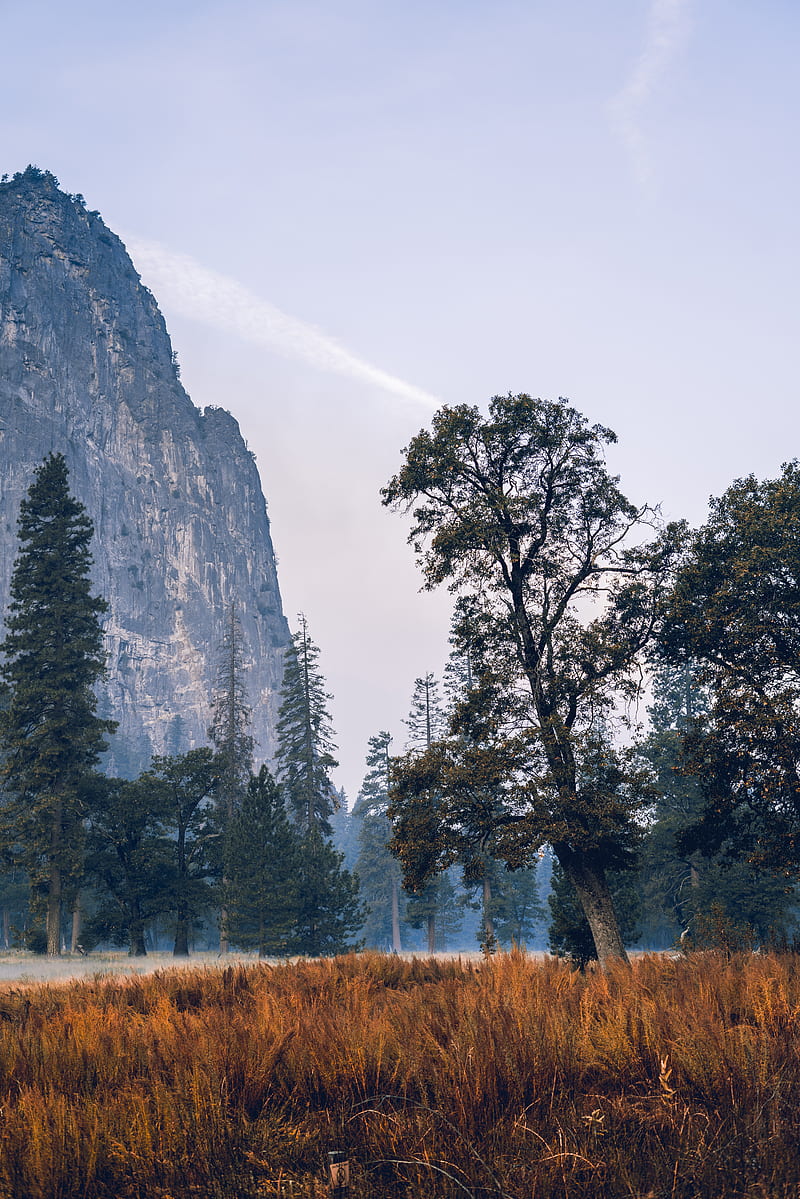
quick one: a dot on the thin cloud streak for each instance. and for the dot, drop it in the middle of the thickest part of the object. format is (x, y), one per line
(667, 30)
(204, 295)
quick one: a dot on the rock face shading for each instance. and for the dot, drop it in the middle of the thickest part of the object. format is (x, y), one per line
(181, 526)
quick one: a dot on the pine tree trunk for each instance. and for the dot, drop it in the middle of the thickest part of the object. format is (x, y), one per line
(138, 949)
(432, 933)
(594, 896)
(75, 939)
(54, 891)
(488, 923)
(224, 944)
(181, 947)
(6, 929)
(396, 943)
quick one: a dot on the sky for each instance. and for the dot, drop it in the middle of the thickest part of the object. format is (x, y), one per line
(352, 211)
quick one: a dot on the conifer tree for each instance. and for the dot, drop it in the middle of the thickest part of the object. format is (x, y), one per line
(50, 735)
(305, 737)
(329, 912)
(425, 722)
(328, 909)
(229, 733)
(378, 871)
(232, 716)
(264, 866)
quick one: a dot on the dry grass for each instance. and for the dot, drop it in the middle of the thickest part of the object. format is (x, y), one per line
(507, 1078)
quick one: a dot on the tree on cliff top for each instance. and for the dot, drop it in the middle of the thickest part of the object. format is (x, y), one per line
(50, 736)
(518, 514)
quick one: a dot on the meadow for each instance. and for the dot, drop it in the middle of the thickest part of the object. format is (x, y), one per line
(436, 1079)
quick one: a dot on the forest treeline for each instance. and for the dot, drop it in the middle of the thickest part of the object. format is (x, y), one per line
(525, 760)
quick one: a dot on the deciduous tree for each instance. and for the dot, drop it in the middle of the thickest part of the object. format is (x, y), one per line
(518, 514)
(735, 612)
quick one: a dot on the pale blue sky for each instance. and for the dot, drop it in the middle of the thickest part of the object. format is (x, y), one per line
(593, 200)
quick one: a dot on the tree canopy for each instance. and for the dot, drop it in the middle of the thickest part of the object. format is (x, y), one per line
(558, 592)
(735, 612)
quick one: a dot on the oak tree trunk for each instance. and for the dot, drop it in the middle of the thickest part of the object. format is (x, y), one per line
(594, 896)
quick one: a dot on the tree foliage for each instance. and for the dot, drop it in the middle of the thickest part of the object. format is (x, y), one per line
(519, 516)
(231, 718)
(735, 612)
(130, 858)
(187, 784)
(261, 889)
(50, 735)
(329, 911)
(305, 736)
(378, 871)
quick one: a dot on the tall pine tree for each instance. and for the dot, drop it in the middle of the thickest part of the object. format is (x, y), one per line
(230, 735)
(264, 851)
(305, 736)
(426, 722)
(50, 735)
(378, 872)
(328, 909)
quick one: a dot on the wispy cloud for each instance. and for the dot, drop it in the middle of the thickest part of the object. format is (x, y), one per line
(192, 290)
(667, 30)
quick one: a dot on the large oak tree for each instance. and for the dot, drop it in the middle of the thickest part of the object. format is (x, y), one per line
(518, 514)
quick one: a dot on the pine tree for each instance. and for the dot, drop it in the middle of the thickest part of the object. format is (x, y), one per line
(264, 866)
(231, 719)
(328, 912)
(426, 719)
(516, 906)
(378, 871)
(328, 909)
(50, 735)
(305, 737)
(425, 722)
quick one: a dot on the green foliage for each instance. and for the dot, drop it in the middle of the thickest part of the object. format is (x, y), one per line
(328, 913)
(438, 907)
(305, 736)
(50, 735)
(683, 888)
(735, 612)
(519, 516)
(516, 907)
(426, 719)
(378, 871)
(187, 784)
(263, 869)
(130, 857)
(231, 716)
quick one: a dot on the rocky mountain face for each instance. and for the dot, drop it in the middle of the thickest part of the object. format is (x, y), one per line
(181, 527)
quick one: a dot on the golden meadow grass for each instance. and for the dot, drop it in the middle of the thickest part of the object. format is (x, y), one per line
(509, 1077)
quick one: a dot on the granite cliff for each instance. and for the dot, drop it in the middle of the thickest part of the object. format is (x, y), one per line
(181, 526)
